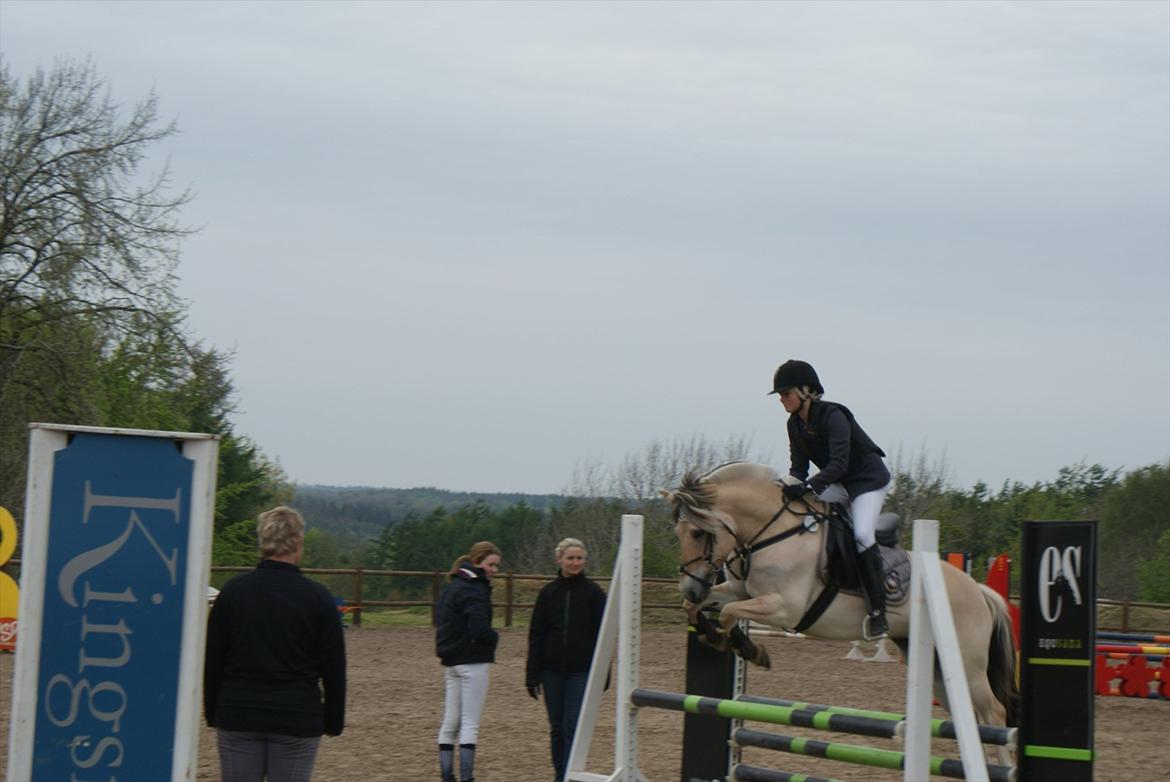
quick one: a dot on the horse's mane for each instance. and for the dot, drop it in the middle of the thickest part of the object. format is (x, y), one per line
(696, 493)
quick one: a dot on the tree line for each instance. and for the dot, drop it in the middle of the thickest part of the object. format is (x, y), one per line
(1134, 530)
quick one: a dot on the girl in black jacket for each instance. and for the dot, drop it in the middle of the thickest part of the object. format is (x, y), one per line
(466, 644)
(565, 624)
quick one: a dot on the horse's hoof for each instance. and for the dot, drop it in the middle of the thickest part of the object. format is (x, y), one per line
(719, 644)
(762, 659)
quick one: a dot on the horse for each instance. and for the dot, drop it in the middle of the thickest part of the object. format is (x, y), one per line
(735, 519)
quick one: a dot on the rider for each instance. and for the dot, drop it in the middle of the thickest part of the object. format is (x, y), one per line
(851, 468)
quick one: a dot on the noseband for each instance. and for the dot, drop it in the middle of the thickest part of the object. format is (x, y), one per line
(743, 551)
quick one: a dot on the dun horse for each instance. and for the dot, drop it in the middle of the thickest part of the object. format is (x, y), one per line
(736, 519)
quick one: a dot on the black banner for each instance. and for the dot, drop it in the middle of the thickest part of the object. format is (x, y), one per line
(1058, 602)
(706, 754)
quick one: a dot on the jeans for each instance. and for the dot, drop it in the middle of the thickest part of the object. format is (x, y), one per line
(563, 694)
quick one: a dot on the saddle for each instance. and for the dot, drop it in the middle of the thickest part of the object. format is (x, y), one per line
(837, 562)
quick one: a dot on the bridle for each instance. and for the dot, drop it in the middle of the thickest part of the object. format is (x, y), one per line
(742, 552)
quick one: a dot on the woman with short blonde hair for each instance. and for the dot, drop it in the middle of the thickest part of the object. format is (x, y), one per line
(270, 710)
(279, 532)
(565, 623)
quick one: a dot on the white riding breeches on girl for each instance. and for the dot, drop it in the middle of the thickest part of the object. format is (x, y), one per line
(467, 687)
(864, 508)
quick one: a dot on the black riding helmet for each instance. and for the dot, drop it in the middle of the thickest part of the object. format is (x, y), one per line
(794, 374)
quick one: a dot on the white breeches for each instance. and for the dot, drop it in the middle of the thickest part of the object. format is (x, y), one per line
(467, 687)
(865, 509)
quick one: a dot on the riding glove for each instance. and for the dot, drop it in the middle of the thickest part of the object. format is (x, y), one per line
(533, 690)
(795, 491)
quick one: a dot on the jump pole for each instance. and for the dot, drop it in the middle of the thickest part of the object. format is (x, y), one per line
(932, 627)
(620, 628)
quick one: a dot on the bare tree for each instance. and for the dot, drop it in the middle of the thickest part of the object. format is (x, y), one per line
(82, 231)
(642, 474)
(604, 492)
(88, 243)
(918, 483)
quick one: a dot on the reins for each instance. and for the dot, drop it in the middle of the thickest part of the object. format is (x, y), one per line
(743, 551)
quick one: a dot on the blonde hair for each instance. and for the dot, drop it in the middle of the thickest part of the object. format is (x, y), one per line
(478, 553)
(279, 531)
(806, 392)
(568, 543)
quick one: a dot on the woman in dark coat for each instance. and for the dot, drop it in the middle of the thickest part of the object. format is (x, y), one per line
(565, 623)
(466, 645)
(274, 673)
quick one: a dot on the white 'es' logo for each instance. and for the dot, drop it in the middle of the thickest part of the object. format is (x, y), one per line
(1057, 566)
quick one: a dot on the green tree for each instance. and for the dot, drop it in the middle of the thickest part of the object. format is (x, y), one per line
(155, 380)
(1133, 520)
(235, 544)
(90, 326)
(1154, 573)
(88, 246)
(322, 551)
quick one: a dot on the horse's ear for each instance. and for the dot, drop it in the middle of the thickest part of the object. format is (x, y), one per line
(667, 495)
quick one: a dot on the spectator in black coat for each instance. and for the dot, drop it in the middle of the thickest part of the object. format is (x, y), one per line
(274, 642)
(565, 623)
(466, 644)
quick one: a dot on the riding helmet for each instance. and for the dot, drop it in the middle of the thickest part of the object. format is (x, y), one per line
(793, 373)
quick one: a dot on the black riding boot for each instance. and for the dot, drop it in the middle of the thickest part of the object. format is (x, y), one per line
(447, 762)
(467, 762)
(873, 587)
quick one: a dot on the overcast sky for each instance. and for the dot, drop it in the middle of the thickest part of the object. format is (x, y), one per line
(475, 245)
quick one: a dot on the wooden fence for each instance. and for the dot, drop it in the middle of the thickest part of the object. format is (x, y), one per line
(518, 590)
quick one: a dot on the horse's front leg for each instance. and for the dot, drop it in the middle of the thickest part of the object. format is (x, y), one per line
(711, 634)
(768, 609)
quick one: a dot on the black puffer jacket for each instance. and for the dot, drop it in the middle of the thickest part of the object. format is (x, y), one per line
(465, 635)
(565, 624)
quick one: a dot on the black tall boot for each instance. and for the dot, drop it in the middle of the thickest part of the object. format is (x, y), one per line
(467, 762)
(447, 762)
(873, 587)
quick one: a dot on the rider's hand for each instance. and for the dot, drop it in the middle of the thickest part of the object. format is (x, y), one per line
(533, 690)
(795, 491)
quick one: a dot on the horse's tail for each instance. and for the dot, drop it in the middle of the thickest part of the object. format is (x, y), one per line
(1001, 657)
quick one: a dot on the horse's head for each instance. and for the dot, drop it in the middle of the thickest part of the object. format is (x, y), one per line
(705, 538)
(708, 523)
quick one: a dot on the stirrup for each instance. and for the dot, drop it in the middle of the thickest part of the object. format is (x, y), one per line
(874, 627)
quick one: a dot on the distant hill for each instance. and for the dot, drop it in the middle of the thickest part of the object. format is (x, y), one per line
(359, 512)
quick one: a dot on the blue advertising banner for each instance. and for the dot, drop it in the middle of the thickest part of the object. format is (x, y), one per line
(113, 609)
(113, 580)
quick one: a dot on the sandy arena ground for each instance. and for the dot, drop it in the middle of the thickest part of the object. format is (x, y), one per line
(395, 706)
